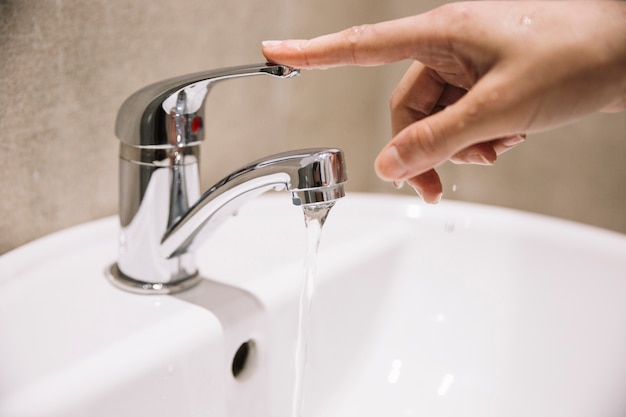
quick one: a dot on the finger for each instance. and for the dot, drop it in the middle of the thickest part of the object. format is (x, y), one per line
(415, 96)
(479, 154)
(506, 144)
(486, 153)
(485, 112)
(420, 92)
(365, 45)
(451, 95)
(427, 186)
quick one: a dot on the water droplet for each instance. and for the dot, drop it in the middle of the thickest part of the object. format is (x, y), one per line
(450, 225)
(446, 382)
(394, 374)
(398, 184)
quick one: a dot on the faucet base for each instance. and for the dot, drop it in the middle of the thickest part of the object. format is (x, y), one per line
(118, 279)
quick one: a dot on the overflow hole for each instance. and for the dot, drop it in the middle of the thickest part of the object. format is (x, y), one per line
(242, 359)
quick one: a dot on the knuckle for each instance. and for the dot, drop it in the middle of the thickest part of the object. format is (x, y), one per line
(353, 37)
(484, 106)
(355, 33)
(459, 12)
(396, 101)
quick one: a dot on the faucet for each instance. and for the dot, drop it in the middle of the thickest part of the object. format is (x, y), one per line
(163, 215)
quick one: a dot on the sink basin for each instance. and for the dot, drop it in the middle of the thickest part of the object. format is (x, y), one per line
(446, 310)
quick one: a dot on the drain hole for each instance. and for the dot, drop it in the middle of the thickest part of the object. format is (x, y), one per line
(243, 359)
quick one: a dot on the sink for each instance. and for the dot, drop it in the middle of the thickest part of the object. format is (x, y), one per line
(446, 310)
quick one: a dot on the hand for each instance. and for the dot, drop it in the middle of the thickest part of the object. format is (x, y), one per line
(484, 74)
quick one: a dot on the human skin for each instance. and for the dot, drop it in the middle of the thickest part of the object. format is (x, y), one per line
(484, 74)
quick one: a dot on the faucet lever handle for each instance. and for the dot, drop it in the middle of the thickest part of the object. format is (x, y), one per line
(145, 119)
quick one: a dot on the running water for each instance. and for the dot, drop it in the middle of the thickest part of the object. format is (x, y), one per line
(314, 218)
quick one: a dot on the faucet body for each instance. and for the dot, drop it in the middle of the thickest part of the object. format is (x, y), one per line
(163, 214)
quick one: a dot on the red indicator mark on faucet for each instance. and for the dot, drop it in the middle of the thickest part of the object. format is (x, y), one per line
(196, 125)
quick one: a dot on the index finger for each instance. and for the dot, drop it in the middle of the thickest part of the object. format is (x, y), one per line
(365, 45)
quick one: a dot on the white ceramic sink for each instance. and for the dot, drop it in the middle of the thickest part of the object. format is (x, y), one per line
(446, 310)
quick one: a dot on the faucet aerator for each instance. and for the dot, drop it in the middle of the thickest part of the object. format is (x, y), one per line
(317, 196)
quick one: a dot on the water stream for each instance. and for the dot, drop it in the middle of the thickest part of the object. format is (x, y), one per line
(314, 218)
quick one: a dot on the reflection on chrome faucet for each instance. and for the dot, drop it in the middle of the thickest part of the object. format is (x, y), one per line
(163, 215)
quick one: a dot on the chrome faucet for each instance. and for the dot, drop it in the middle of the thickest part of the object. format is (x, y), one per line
(163, 217)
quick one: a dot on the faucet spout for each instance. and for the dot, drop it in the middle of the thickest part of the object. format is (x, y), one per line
(163, 216)
(313, 176)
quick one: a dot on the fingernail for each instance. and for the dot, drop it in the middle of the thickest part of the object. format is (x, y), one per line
(271, 44)
(419, 193)
(513, 141)
(479, 159)
(389, 166)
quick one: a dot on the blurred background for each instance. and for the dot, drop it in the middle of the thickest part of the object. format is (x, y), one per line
(67, 65)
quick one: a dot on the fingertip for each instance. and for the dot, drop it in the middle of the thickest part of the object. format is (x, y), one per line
(480, 158)
(479, 154)
(428, 186)
(288, 52)
(433, 198)
(512, 141)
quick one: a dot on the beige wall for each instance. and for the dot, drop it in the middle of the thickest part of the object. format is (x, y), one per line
(66, 66)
